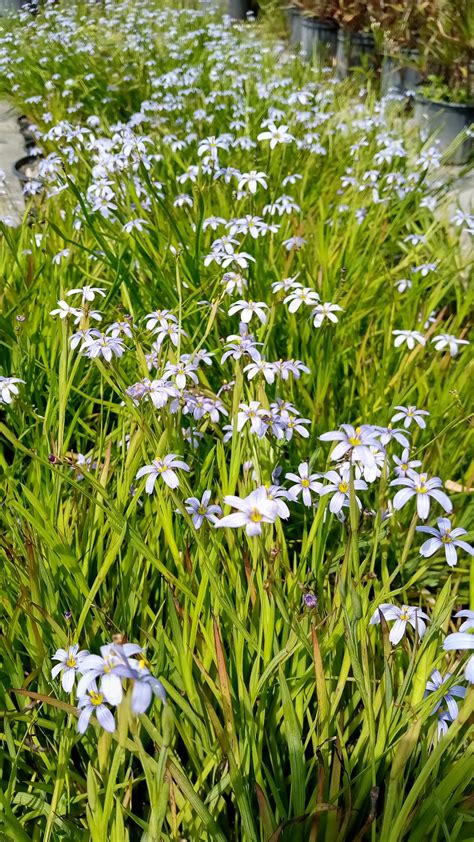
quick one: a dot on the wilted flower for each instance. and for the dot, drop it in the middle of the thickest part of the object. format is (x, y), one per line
(310, 601)
(444, 721)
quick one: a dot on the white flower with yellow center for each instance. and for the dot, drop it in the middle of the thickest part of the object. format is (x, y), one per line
(201, 509)
(358, 441)
(93, 702)
(424, 488)
(110, 667)
(163, 468)
(446, 538)
(339, 487)
(402, 616)
(253, 510)
(69, 663)
(304, 484)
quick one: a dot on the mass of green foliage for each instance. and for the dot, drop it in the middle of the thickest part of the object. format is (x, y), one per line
(286, 718)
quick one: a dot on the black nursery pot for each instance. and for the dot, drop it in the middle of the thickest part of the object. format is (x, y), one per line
(294, 19)
(354, 50)
(239, 9)
(398, 75)
(25, 168)
(319, 39)
(446, 121)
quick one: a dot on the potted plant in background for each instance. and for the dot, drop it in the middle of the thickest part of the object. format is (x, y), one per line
(399, 28)
(355, 41)
(444, 106)
(319, 30)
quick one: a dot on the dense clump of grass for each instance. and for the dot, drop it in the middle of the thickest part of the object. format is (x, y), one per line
(288, 716)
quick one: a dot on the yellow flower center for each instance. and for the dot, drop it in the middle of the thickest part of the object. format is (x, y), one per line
(255, 517)
(343, 486)
(71, 661)
(201, 510)
(96, 698)
(404, 616)
(404, 467)
(354, 440)
(421, 489)
(446, 539)
(305, 483)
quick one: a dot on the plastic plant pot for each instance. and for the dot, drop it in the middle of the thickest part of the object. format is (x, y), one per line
(354, 50)
(398, 74)
(26, 168)
(294, 16)
(445, 121)
(239, 9)
(319, 40)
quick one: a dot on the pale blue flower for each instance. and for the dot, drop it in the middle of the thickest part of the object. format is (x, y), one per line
(435, 682)
(462, 641)
(111, 669)
(446, 340)
(444, 537)
(469, 622)
(357, 441)
(402, 616)
(304, 484)
(70, 660)
(411, 337)
(164, 468)
(93, 703)
(253, 510)
(201, 510)
(404, 464)
(423, 488)
(409, 414)
(339, 488)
